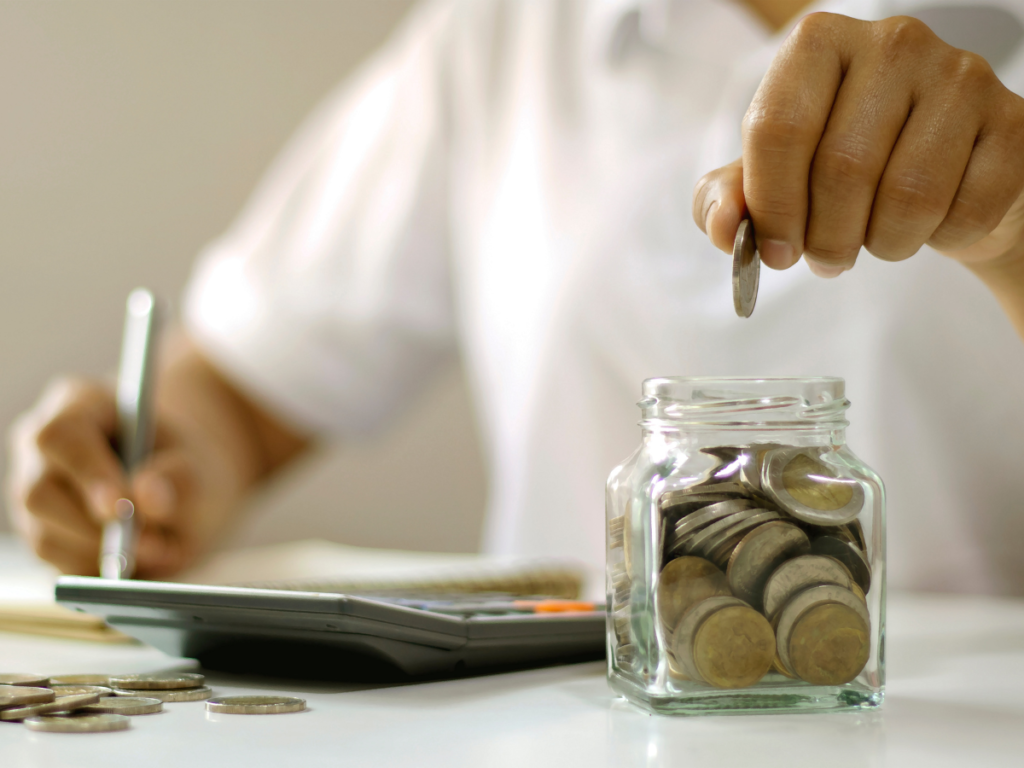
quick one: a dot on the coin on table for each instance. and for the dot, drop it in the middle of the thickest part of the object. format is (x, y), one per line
(20, 695)
(684, 635)
(798, 574)
(22, 678)
(757, 556)
(849, 555)
(808, 489)
(746, 269)
(78, 723)
(684, 582)
(59, 704)
(125, 705)
(832, 643)
(80, 680)
(255, 705)
(734, 647)
(158, 681)
(72, 690)
(180, 694)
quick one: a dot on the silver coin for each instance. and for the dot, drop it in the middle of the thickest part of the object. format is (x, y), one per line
(23, 678)
(255, 705)
(73, 690)
(725, 541)
(849, 555)
(157, 681)
(696, 544)
(757, 556)
(125, 705)
(20, 695)
(78, 723)
(705, 516)
(617, 532)
(90, 679)
(180, 694)
(803, 602)
(746, 269)
(60, 704)
(798, 574)
(684, 634)
(798, 481)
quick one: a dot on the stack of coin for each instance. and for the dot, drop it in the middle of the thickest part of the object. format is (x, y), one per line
(764, 563)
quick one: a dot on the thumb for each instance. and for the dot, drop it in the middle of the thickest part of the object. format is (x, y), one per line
(718, 208)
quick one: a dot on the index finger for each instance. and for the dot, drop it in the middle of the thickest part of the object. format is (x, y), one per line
(783, 126)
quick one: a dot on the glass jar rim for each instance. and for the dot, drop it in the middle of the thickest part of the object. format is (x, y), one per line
(742, 401)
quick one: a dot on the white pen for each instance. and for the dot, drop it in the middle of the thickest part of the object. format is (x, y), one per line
(134, 427)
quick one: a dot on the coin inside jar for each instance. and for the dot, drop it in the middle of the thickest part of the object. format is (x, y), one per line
(696, 543)
(795, 610)
(829, 645)
(684, 582)
(799, 482)
(757, 556)
(849, 555)
(798, 574)
(722, 544)
(734, 647)
(683, 637)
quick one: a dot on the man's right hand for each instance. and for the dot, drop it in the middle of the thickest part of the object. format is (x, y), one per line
(211, 446)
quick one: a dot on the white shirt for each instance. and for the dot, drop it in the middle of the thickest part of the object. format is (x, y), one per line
(512, 181)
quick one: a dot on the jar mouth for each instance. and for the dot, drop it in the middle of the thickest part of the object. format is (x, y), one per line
(744, 401)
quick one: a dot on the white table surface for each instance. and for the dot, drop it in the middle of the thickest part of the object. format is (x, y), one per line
(956, 677)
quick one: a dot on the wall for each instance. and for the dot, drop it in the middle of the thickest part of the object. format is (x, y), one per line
(130, 134)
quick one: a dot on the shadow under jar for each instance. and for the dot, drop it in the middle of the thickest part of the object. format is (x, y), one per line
(746, 552)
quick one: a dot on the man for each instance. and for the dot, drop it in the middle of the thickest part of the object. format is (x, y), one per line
(510, 180)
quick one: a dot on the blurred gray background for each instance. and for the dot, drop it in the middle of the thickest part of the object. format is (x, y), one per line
(131, 132)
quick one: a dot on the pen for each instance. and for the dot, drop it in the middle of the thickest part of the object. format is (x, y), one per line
(134, 427)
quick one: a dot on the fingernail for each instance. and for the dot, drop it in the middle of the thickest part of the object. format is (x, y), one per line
(778, 254)
(825, 270)
(710, 217)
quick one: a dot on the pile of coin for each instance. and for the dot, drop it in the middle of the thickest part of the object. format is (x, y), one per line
(92, 703)
(763, 565)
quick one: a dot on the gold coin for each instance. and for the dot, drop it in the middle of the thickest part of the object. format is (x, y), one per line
(125, 705)
(616, 527)
(60, 704)
(809, 489)
(812, 483)
(829, 645)
(255, 705)
(103, 680)
(72, 690)
(684, 582)
(23, 678)
(734, 647)
(799, 573)
(716, 547)
(801, 603)
(757, 556)
(20, 695)
(681, 639)
(157, 681)
(78, 723)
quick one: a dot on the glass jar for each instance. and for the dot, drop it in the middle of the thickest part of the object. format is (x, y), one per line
(746, 552)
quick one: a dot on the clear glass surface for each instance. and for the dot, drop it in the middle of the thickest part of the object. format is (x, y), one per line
(775, 533)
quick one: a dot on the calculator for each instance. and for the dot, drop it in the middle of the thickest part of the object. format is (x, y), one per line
(385, 635)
